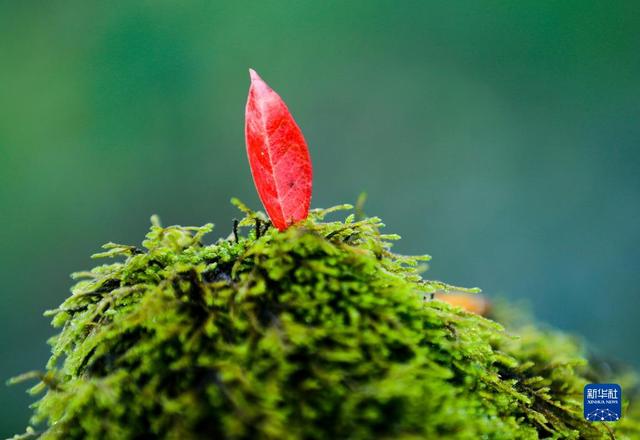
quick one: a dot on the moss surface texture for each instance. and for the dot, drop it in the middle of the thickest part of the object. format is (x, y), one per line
(317, 332)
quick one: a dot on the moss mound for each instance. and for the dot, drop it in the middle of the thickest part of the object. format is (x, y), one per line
(317, 332)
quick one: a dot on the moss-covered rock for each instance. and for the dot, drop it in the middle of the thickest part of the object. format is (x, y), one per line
(316, 332)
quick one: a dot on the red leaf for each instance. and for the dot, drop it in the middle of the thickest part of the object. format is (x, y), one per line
(278, 155)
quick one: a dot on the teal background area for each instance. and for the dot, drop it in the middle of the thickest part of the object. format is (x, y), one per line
(503, 138)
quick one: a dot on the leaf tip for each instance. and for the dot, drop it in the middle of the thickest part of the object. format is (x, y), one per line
(254, 75)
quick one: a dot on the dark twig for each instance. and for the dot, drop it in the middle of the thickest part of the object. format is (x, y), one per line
(235, 229)
(258, 225)
(267, 225)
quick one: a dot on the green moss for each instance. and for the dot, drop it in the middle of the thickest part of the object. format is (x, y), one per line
(316, 332)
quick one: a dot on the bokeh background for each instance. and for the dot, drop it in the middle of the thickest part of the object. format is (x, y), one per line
(503, 138)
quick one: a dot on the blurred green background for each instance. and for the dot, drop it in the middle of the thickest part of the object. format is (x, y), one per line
(503, 138)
